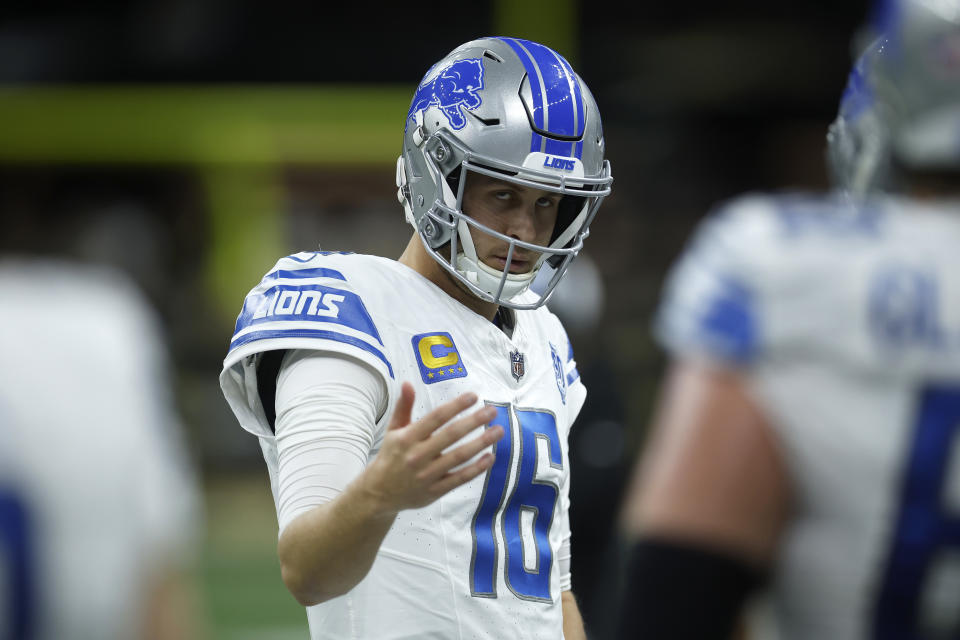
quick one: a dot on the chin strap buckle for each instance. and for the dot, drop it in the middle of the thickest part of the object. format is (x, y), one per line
(403, 191)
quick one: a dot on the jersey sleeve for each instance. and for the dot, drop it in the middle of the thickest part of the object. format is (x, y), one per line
(778, 275)
(710, 307)
(314, 301)
(576, 391)
(572, 390)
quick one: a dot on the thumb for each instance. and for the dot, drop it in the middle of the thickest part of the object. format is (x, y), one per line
(404, 408)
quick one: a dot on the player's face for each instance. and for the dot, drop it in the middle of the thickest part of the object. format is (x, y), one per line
(516, 211)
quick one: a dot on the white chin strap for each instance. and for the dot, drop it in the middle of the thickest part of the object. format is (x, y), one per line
(485, 277)
(488, 279)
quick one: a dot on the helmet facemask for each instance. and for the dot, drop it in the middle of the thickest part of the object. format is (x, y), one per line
(448, 231)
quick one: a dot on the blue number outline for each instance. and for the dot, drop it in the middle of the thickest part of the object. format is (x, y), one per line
(486, 550)
(921, 527)
(533, 425)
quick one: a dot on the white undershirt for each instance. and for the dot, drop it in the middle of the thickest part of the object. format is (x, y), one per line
(327, 409)
(328, 405)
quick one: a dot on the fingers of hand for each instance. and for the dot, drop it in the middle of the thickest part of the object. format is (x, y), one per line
(442, 415)
(454, 431)
(402, 412)
(457, 456)
(461, 476)
(422, 452)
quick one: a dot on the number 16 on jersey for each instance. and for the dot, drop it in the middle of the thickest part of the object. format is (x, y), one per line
(525, 515)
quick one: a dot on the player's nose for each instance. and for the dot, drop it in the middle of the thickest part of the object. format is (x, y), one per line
(522, 225)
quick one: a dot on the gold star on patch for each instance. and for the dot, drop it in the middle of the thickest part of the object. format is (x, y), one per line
(451, 370)
(440, 371)
(460, 369)
(429, 375)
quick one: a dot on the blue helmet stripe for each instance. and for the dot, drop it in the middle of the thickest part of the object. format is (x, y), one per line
(543, 105)
(557, 100)
(536, 142)
(580, 117)
(559, 96)
(886, 16)
(534, 79)
(573, 89)
(559, 147)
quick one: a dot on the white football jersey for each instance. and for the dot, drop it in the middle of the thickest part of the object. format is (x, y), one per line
(480, 562)
(95, 494)
(846, 322)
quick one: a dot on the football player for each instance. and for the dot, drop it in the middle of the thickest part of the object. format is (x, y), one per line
(98, 505)
(413, 413)
(806, 434)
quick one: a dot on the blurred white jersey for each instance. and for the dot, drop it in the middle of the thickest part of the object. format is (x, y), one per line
(846, 322)
(482, 561)
(94, 493)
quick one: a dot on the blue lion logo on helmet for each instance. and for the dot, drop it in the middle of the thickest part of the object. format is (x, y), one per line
(453, 89)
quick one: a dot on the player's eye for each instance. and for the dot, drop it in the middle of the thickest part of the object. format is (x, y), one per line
(547, 201)
(503, 195)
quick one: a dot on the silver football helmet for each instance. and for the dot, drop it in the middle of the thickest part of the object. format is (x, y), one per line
(513, 110)
(857, 143)
(901, 107)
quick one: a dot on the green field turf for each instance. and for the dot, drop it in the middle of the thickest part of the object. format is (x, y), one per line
(243, 595)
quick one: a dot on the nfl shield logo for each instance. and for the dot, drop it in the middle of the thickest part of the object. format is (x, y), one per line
(517, 367)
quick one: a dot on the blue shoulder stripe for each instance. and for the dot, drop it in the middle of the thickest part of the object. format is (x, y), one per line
(306, 302)
(318, 272)
(312, 333)
(732, 318)
(572, 376)
(727, 326)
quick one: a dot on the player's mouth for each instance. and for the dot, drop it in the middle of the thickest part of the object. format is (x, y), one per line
(517, 264)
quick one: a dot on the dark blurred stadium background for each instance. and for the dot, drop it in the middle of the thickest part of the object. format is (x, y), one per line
(193, 142)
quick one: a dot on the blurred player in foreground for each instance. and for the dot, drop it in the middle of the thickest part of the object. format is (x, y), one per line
(97, 505)
(401, 516)
(807, 434)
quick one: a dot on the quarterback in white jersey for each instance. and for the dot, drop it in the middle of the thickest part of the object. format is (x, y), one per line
(97, 503)
(807, 432)
(398, 519)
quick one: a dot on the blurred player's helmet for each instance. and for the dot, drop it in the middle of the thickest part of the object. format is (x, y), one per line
(901, 107)
(857, 144)
(513, 110)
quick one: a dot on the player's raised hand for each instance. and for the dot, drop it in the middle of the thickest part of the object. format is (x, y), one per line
(412, 468)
